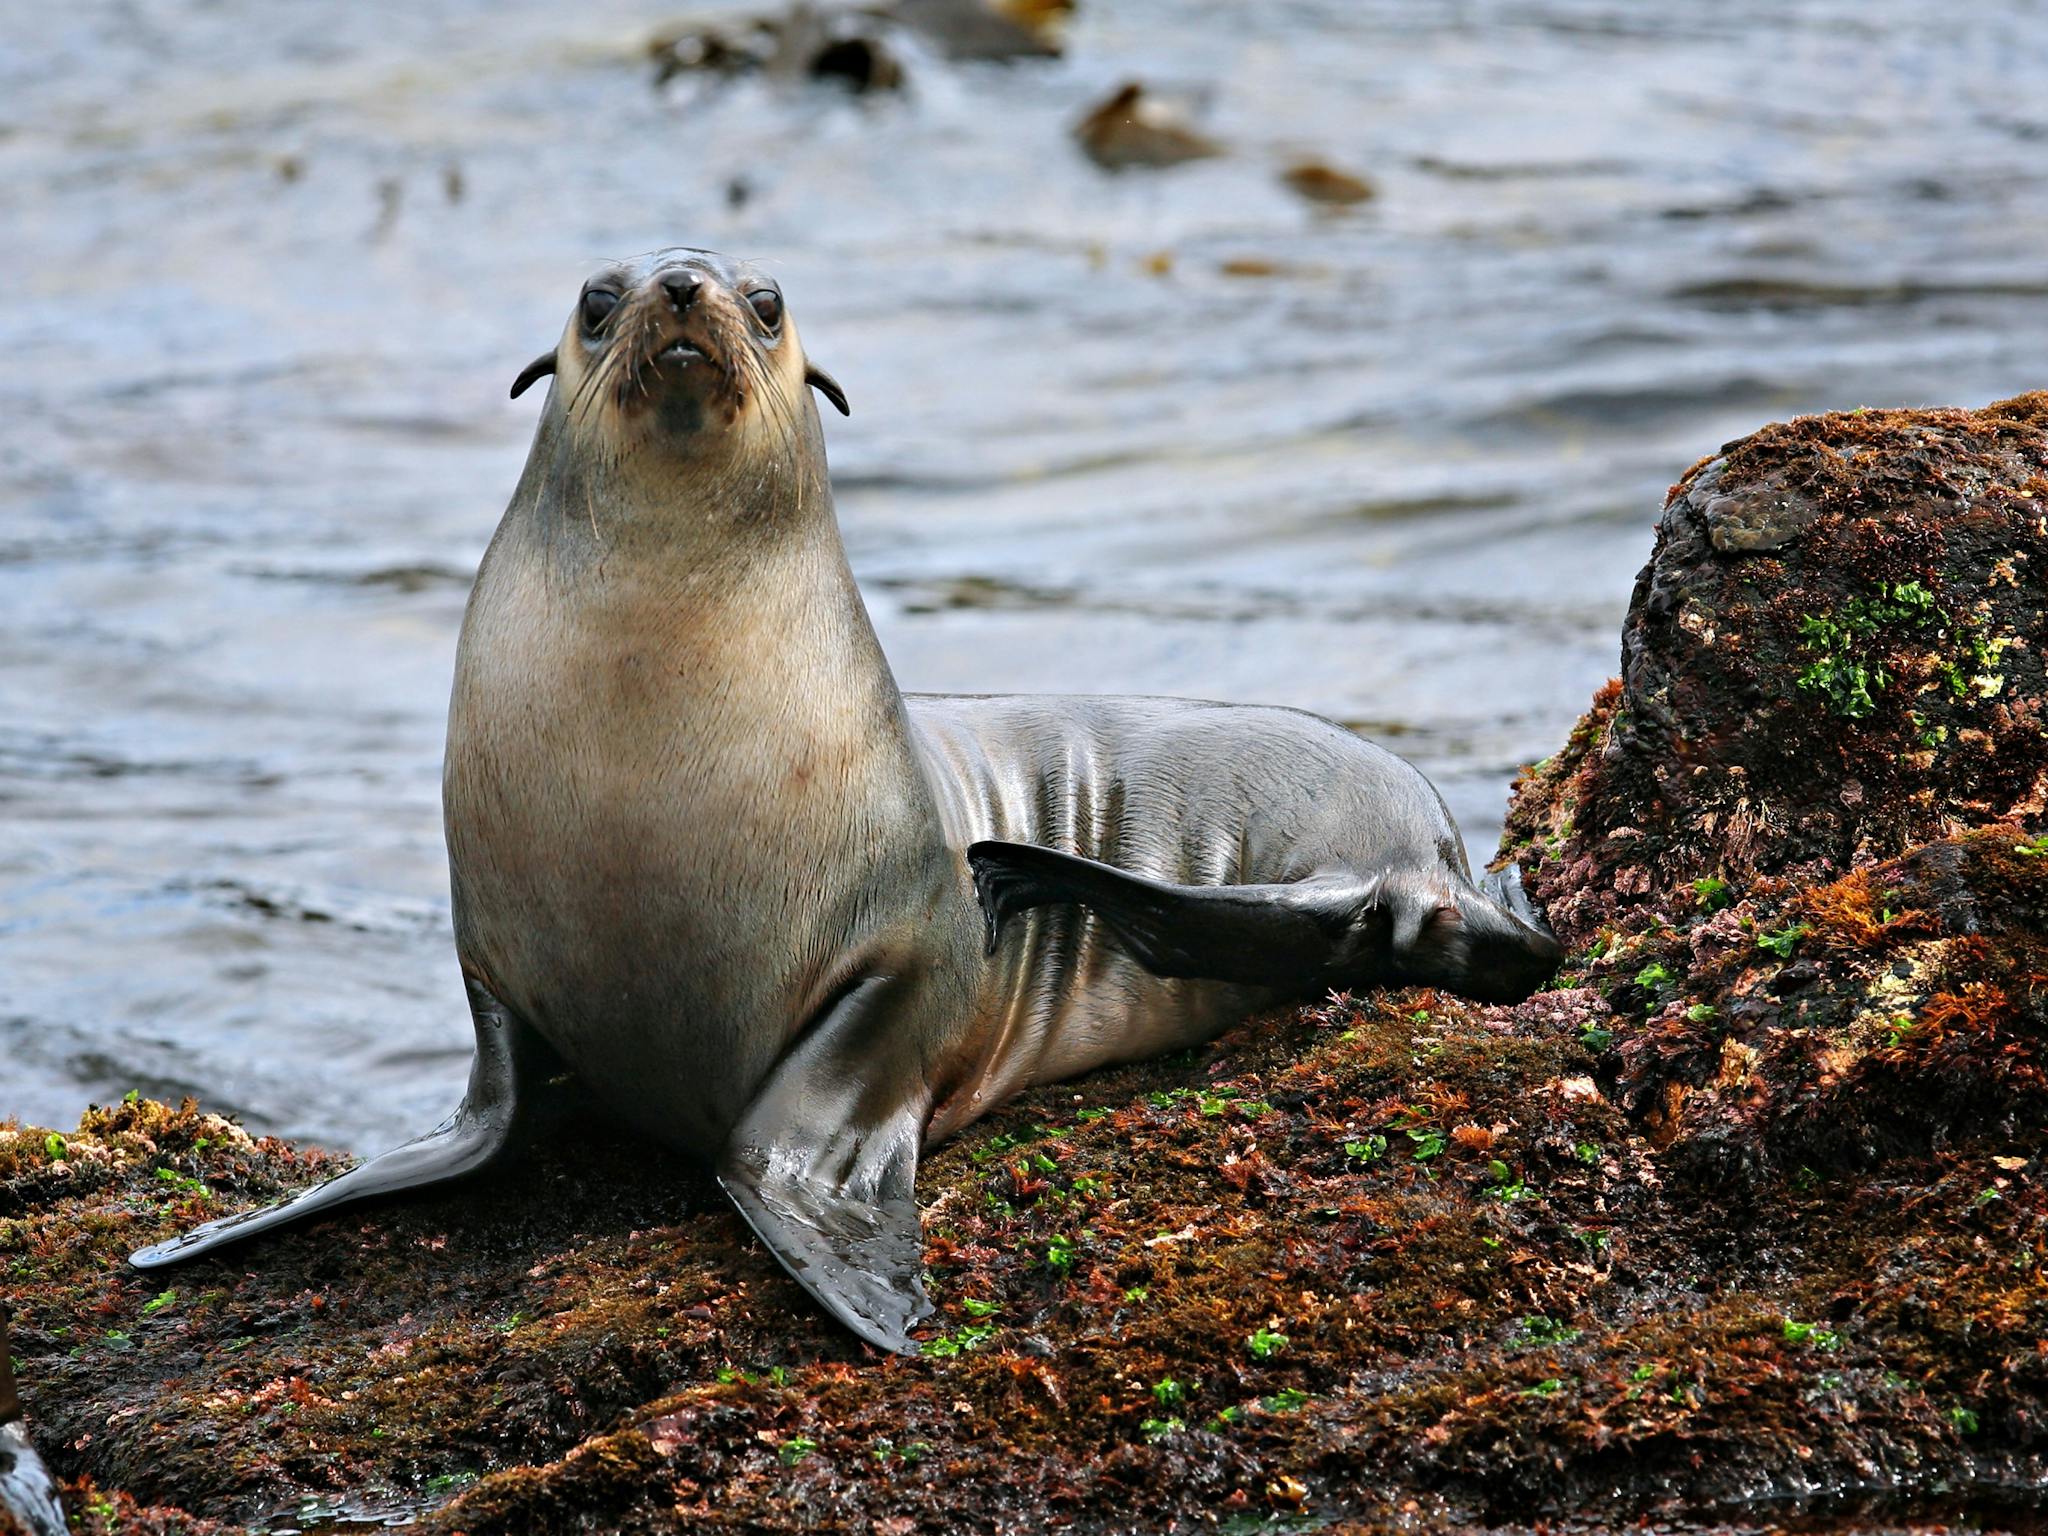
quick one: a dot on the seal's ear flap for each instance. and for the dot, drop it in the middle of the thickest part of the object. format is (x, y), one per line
(827, 386)
(534, 371)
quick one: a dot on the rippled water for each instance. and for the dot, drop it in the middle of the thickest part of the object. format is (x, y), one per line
(267, 271)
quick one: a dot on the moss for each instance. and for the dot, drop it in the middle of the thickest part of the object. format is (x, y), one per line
(95, 1512)
(1847, 647)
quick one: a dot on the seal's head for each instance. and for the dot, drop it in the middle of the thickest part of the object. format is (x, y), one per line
(678, 347)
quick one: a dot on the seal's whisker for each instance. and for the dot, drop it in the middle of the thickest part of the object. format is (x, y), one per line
(776, 403)
(588, 384)
(617, 362)
(633, 370)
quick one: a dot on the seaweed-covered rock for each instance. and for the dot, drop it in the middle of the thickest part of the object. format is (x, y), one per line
(1799, 842)
(1834, 654)
(1750, 1207)
(1135, 128)
(1399, 1261)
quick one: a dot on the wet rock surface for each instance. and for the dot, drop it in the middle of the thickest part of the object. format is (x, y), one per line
(1741, 1223)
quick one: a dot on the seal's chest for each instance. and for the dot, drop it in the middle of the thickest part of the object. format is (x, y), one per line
(622, 785)
(631, 788)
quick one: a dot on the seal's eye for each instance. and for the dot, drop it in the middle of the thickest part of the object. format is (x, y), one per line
(598, 303)
(768, 305)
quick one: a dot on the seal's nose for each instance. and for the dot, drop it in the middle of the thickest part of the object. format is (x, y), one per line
(682, 288)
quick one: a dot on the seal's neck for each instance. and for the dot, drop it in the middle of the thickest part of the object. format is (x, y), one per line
(715, 509)
(710, 598)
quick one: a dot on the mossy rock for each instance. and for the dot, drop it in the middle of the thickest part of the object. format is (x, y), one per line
(1404, 1252)
(1797, 843)
(1834, 654)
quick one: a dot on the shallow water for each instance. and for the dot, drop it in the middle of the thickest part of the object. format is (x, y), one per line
(267, 272)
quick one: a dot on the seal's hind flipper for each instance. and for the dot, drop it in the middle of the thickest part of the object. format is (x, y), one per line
(1507, 947)
(1314, 932)
(822, 1164)
(1333, 930)
(509, 1057)
(1503, 887)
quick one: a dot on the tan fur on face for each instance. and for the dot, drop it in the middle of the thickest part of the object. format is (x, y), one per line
(750, 385)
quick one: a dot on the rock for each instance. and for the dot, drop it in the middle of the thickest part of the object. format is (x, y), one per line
(28, 1497)
(1750, 1206)
(1800, 835)
(859, 63)
(1133, 128)
(1039, 15)
(710, 49)
(847, 47)
(857, 47)
(1761, 516)
(1835, 654)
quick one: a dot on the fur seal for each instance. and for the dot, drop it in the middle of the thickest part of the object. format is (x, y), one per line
(788, 920)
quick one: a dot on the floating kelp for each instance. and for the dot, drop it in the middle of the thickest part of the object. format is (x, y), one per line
(1134, 128)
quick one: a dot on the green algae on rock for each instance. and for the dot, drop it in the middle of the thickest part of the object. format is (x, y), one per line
(1749, 1208)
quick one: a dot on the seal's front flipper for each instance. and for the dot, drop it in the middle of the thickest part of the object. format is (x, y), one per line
(822, 1164)
(28, 1494)
(509, 1058)
(1315, 932)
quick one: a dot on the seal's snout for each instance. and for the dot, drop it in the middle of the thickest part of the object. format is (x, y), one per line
(680, 345)
(686, 328)
(682, 288)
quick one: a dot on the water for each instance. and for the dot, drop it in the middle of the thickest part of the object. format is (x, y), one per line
(267, 273)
